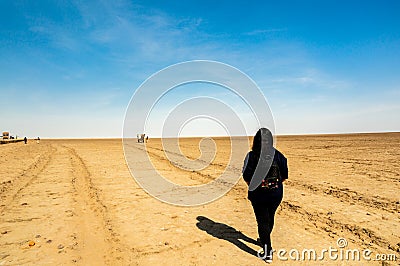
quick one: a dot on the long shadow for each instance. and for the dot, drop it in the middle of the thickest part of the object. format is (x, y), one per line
(226, 232)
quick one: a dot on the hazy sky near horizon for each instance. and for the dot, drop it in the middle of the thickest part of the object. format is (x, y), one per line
(69, 68)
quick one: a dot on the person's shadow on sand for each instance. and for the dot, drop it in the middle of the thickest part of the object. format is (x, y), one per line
(226, 232)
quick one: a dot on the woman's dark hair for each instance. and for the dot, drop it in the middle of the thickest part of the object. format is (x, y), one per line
(263, 135)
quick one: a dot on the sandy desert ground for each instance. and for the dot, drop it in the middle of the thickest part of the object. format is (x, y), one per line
(66, 202)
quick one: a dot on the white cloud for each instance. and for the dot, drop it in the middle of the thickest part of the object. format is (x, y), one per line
(264, 31)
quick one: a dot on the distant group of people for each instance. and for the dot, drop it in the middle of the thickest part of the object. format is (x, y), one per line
(141, 138)
(26, 140)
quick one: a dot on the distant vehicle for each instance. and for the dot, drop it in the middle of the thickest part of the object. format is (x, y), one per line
(6, 135)
(140, 138)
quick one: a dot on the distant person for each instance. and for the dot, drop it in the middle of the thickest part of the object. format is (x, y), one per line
(38, 140)
(267, 196)
(25, 140)
(147, 138)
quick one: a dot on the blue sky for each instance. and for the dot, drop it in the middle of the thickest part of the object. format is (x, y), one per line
(69, 68)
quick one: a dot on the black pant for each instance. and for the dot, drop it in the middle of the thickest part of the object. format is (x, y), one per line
(265, 216)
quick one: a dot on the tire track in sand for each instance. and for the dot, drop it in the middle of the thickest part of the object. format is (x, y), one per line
(55, 206)
(95, 228)
(11, 189)
(348, 195)
(203, 177)
(336, 228)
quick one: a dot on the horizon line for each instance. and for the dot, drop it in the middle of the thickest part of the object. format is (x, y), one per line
(226, 136)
